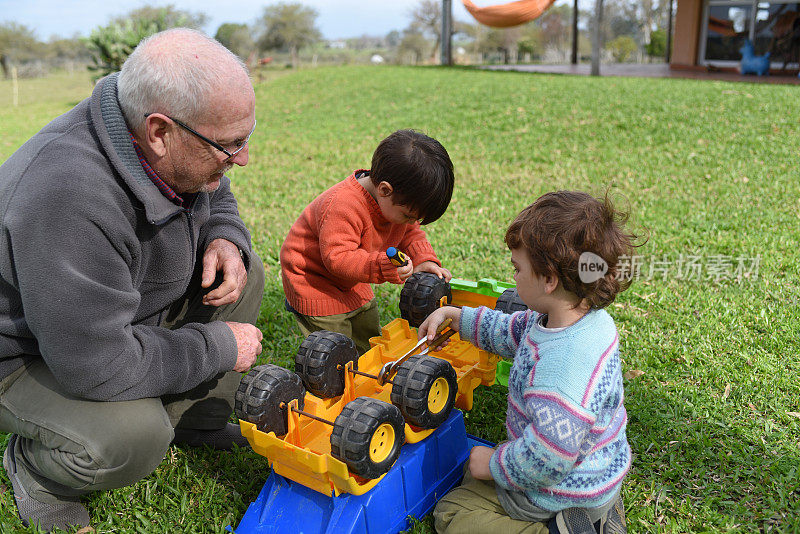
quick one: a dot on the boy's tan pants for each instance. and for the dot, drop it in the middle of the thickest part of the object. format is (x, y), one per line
(473, 508)
(359, 325)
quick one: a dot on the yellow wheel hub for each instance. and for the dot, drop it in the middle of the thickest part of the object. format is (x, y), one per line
(382, 443)
(438, 395)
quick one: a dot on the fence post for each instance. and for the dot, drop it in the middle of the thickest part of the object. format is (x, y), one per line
(597, 38)
(668, 53)
(574, 58)
(14, 86)
(447, 33)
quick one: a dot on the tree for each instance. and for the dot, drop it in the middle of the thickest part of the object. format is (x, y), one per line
(67, 52)
(72, 48)
(288, 26)
(392, 39)
(532, 40)
(17, 43)
(426, 17)
(657, 47)
(413, 44)
(464, 29)
(507, 41)
(236, 38)
(111, 45)
(556, 26)
(652, 14)
(166, 17)
(621, 19)
(622, 48)
(365, 42)
(647, 13)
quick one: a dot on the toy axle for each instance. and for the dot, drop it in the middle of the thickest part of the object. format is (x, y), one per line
(357, 372)
(301, 412)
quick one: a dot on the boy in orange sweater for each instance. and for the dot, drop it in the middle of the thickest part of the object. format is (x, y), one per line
(337, 247)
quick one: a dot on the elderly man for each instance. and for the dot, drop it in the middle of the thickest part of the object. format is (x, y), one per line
(128, 287)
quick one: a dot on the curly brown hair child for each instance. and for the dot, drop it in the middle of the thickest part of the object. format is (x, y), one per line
(567, 453)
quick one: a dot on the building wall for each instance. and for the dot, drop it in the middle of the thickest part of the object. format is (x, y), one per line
(686, 38)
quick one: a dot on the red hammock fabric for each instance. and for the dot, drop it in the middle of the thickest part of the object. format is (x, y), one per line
(510, 14)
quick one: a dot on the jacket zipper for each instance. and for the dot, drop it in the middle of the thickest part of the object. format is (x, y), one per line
(190, 220)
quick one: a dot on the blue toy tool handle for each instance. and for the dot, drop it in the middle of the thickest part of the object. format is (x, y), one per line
(397, 257)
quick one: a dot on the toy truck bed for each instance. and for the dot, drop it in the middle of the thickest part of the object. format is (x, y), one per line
(302, 450)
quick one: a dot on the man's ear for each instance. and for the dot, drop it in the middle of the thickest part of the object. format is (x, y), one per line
(157, 129)
(385, 189)
(550, 283)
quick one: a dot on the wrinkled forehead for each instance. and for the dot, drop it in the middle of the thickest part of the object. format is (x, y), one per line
(231, 104)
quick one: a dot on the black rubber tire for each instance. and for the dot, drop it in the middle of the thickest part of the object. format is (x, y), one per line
(353, 431)
(509, 302)
(260, 395)
(320, 362)
(420, 297)
(411, 390)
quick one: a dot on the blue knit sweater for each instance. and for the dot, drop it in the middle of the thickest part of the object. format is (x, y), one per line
(565, 418)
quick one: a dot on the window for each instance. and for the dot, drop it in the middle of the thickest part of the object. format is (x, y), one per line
(772, 27)
(728, 26)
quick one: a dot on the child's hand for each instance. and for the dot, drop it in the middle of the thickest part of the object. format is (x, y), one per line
(406, 270)
(429, 326)
(431, 267)
(479, 462)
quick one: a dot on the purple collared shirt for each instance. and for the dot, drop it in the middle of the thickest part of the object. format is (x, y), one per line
(166, 190)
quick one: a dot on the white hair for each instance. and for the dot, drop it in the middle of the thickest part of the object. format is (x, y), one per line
(177, 72)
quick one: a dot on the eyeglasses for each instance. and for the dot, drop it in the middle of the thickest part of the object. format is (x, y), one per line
(228, 153)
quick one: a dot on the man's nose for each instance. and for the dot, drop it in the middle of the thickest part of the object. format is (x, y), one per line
(242, 157)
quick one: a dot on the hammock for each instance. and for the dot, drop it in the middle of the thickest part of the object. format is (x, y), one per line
(510, 14)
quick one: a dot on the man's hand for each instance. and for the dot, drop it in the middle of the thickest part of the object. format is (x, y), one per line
(222, 255)
(432, 267)
(479, 462)
(248, 344)
(406, 270)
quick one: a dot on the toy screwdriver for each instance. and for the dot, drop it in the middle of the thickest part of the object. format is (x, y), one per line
(397, 257)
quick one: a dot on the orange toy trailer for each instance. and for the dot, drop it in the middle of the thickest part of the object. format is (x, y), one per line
(337, 425)
(346, 442)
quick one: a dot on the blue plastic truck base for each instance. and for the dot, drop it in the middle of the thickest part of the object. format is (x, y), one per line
(423, 473)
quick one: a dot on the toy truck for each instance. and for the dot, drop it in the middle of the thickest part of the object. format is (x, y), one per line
(337, 424)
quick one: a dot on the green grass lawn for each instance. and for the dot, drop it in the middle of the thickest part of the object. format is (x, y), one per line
(709, 173)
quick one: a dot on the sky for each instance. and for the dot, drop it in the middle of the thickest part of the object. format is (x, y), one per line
(336, 18)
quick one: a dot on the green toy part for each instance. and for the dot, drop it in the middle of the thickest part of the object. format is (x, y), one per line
(484, 286)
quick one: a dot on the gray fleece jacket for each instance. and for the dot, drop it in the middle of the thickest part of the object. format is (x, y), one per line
(91, 256)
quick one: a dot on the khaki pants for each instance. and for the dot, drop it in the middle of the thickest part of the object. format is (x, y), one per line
(473, 508)
(359, 325)
(69, 446)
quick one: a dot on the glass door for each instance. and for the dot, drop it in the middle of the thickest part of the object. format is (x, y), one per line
(772, 27)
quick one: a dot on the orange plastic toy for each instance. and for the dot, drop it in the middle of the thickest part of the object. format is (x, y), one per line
(338, 423)
(303, 453)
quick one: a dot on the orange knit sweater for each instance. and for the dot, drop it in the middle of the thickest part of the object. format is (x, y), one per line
(337, 248)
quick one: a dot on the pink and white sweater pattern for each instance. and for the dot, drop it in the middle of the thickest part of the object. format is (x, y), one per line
(565, 419)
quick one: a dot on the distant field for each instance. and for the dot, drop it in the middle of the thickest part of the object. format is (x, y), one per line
(708, 171)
